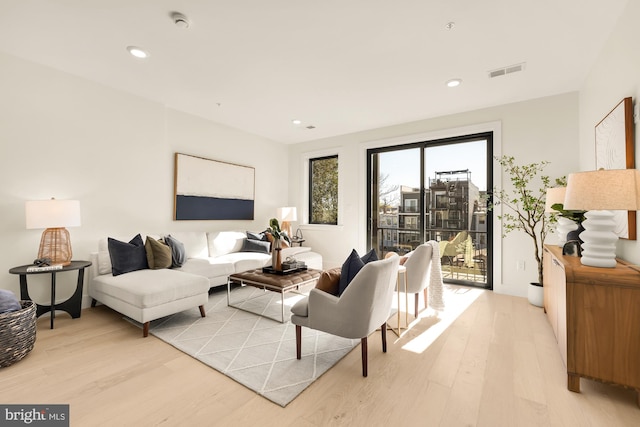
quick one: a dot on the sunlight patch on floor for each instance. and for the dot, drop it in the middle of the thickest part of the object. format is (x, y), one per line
(457, 300)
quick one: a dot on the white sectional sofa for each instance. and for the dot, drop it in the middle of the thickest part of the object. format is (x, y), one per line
(146, 295)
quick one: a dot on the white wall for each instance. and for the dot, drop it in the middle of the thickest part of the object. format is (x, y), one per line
(536, 130)
(615, 76)
(69, 138)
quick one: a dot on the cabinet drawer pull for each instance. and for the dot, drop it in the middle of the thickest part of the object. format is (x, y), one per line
(555, 261)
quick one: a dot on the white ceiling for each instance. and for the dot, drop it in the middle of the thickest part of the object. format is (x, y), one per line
(340, 65)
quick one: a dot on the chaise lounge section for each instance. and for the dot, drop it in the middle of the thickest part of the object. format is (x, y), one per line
(148, 294)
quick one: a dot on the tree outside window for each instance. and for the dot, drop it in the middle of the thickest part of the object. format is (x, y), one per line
(323, 190)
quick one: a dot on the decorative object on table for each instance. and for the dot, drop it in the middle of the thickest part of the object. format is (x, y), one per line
(292, 263)
(287, 215)
(54, 215)
(597, 192)
(297, 238)
(210, 189)
(17, 333)
(567, 221)
(43, 264)
(278, 235)
(525, 203)
(572, 248)
(615, 150)
(284, 270)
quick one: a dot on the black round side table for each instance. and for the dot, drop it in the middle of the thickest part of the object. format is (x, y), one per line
(72, 306)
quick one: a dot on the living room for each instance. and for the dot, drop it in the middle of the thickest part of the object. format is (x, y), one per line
(68, 137)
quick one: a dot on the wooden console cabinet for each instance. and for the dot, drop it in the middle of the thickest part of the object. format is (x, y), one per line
(595, 315)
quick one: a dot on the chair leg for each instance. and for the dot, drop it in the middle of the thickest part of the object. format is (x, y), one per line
(202, 312)
(383, 333)
(363, 345)
(426, 303)
(93, 302)
(416, 305)
(298, 342)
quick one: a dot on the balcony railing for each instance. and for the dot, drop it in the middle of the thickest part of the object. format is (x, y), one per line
(463, 253)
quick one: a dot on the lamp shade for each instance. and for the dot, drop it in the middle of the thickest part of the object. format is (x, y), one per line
(287, 214)
(52, 213)
(614, 189)
(554, 195)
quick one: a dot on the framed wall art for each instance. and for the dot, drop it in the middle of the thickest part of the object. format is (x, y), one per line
(212, 190)
(615, 150)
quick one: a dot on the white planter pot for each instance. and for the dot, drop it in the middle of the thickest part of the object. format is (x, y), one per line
(535, 294)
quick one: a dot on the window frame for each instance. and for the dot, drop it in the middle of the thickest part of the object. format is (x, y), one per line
(310, 161)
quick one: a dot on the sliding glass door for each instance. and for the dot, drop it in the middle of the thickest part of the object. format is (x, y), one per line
(434, 190)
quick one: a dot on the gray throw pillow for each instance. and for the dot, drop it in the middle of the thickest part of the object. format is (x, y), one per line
(178, 253)
(8, 302)
(250, 245)
(252, 235)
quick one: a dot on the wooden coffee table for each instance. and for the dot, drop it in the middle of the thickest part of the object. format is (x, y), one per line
(271, 282)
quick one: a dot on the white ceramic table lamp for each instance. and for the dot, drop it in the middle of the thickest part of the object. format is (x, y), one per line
(54, 215)
(598, 192)
(287, 215)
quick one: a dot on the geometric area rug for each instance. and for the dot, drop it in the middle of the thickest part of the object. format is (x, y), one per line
(255, 351)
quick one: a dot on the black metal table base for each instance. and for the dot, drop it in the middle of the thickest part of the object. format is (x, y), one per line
(73, 305)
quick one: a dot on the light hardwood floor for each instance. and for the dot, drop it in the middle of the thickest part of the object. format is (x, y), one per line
(497, 364)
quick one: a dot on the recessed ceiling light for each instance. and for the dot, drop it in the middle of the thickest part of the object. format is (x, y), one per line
(296, 122)
(454, 82)
(137, 52)
(450, 25)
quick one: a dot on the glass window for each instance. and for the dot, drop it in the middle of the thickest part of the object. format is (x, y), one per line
(411, 205)
(323, 190)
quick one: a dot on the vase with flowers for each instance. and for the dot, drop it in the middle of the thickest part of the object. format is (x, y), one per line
(278, 234)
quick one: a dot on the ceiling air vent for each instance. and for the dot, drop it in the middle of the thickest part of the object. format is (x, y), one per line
(507, 70)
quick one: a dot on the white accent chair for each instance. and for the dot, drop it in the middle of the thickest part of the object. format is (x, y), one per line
(362, 308)
(418, 267)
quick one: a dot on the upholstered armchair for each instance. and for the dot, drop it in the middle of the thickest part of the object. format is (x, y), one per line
(364, 306)
(418, 268)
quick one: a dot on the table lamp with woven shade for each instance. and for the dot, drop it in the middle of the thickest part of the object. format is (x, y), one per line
(54, 215)
(598, 192)
(286, 215)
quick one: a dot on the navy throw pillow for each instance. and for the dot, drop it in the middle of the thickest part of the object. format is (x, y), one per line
(127, 257)
(350, 268)
(370, 256)
(178, 253)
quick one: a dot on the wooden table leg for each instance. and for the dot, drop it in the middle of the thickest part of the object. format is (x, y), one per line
(573, 382)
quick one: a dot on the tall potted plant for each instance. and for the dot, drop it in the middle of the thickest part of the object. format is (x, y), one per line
(524, 209)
